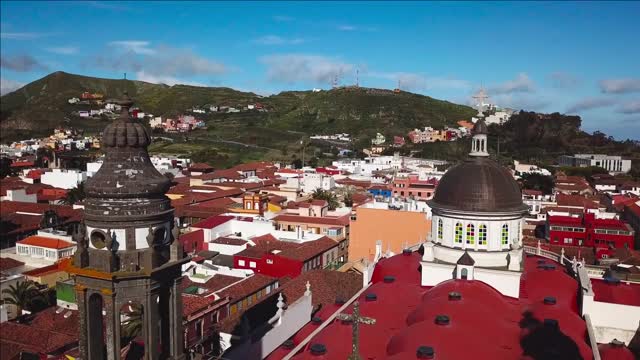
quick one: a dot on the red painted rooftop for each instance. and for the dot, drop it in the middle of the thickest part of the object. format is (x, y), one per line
(486, 320)
(212, 222)
(617, 293)
(45, 242)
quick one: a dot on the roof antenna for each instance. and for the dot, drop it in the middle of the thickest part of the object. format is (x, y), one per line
(125, 76)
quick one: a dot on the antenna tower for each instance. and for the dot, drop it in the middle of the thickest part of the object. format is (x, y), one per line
(357, 77)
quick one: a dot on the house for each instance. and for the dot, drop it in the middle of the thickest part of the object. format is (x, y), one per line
(414, 188)
(47, 275)
(613, 164)
(394, 229)
(379, 139)
(283, 258)
(588, 230)
(50, 247)
(383, 191)
(63, 179)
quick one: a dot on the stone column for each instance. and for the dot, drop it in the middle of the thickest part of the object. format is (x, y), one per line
(81, 298)
(151, 315)
(112, 321)
(175, 322)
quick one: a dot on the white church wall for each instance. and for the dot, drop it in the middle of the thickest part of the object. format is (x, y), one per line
(611, 321)
(434, 273)
(506, 282)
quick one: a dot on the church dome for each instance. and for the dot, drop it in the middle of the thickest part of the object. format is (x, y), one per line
(125, 133)
(479, 185)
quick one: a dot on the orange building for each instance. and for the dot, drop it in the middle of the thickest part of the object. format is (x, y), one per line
(395, 228)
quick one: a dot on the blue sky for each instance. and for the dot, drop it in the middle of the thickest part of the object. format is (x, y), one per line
(581, 58)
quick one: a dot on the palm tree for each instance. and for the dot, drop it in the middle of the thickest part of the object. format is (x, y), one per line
(132, 324)
(74, 195)
(23, 294)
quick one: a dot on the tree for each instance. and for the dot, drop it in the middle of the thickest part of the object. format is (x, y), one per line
(74, 195)
(5, 167)
(537, 182)
(132, 324)
(348, 200)
(23, 295)
(320, 194)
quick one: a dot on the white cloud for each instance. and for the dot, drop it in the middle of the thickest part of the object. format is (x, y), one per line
(590, 103)
(134, 46)
(522, 83)
(21, 63)
(160, 79)
(290, 68)
(632, 107)
(63, 50)
(416, 81)
(278, 40)
(518, 102)
(7, 86)
(21, 35)
(619, 86)
(162, 63)
(563, 80)
(348, 27)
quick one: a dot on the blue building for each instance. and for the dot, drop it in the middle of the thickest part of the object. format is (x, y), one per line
(382, 191)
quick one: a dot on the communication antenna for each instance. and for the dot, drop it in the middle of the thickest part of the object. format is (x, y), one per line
(125, 76)
(357, 77)
(334, 83)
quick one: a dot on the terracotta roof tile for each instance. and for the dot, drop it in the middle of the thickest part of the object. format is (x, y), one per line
(229, 241)
(326, 220)
(9, 263)
(247, 287)
(45, 242)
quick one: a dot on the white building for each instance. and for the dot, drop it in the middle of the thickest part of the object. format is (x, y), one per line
(477, 224)
(309, 182)
(520, 168)
(63, 179)
(613, 164)
(19, 195)
(378, 140)
(48, 245)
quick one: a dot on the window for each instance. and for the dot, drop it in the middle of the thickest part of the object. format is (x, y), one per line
(568, 240)
(240, 262)
(252, 264)
(440, 229)
(269, 261)
(482, 235)
(199, 329)
(458, 235)
(471, 235)
(505, 234)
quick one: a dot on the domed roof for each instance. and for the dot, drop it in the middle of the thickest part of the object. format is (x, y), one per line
(127, 171)
(479, 185)
(480, 127)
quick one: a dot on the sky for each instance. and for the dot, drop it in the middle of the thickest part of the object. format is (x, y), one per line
(576, 58)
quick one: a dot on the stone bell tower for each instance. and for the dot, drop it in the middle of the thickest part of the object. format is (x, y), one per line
(128, 251)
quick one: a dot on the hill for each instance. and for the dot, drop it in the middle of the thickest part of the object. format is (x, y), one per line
(37, 108)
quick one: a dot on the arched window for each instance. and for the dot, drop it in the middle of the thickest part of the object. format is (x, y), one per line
(482, 235)
(458, 235)
(471, 235)
(440, 230)
(505, 234)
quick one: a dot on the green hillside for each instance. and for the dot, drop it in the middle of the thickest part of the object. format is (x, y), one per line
(42, 105)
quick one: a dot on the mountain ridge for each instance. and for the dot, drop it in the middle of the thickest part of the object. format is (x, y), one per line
(42, 105)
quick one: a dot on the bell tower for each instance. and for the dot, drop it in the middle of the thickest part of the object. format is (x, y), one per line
(128, 263)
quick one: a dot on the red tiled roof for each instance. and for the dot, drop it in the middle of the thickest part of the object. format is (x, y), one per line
(577, 200)
(262, 239)
(43, 271)
(265, 247)
(9, 263)
(48, 332)
(212, 222)
(309, 249)
(326, 286)
(200, 166)
(194, 303)
(326, 220)
(45, 242)
(247, 287)
(531, 192)
(223, 174)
